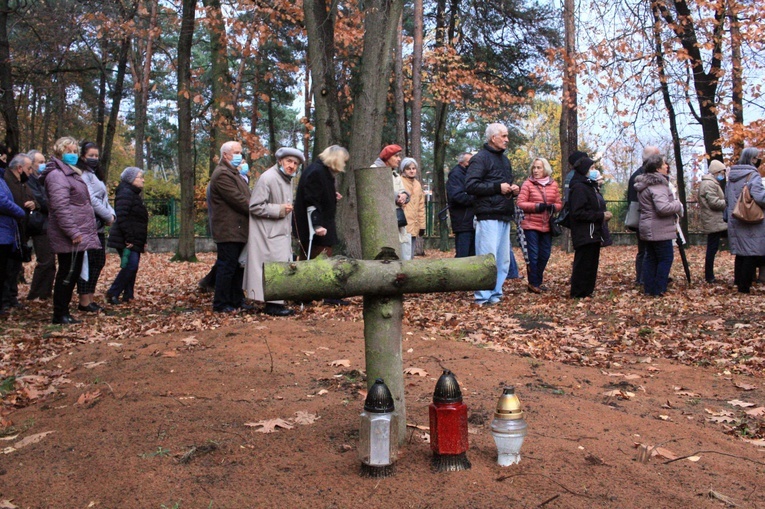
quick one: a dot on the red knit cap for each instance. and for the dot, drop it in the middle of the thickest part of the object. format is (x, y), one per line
(389, 151)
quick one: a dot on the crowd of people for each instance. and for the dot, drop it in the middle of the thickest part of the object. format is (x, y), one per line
(61, 207)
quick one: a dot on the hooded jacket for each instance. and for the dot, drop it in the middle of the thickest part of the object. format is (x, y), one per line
(711, 200)
(745, 239)
(658, 207)
(587, 208)
(132, 221)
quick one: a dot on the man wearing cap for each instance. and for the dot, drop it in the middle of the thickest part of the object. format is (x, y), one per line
(490, 179)
(229, 206)
(390, 156)
(632, 196)
(270, 215)
(711, 200)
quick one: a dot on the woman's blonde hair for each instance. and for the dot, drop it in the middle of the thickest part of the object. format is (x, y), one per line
(61, 144)
(335, 158)
(545, 164)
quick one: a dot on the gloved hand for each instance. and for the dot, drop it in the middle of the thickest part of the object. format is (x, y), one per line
(540, 207)
(551, 208)
(421, 232)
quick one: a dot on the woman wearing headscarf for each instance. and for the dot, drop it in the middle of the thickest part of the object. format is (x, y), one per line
(659, 210)
(414, 209)
(747, 241)
(539, 199)
(71, 222)
(316, 188)
(711, 200)
(93, 176)
(129, 233)
(588, 214)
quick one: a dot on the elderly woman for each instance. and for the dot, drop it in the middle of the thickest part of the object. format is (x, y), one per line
(10, 215)
(270, 227)
(659, 210)
(71, 222)
(711, 200)
(588, 216)
(129, 233)
(41, 286)
(316, 189)
(414, 209)
(539, 199)
(93, 176)
(747, 241)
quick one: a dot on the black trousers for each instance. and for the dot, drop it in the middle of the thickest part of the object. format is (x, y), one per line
(229, 275)
(744, 271)
(45, 270)
(69, 268)
(585, 270)
(96, 262)
(5, 252)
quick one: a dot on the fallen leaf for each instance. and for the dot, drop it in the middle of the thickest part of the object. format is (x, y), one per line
(664, 417)
(720, 419)
(170, 353)
(664, 453)
(721, 413)
(618, 393)
(415, 371)
(88, 397)
(745, 387)
(760, 442)
(114, 344)
(693, 459)
(91, 365)
(190, 341)
(688, 393)
(743, 404)
(305, 418)
(632, 377)
(9, 438)
(341, 362)
(722, 498)
(6, 504)
(31, 439)
(270, 425)
(756, 412)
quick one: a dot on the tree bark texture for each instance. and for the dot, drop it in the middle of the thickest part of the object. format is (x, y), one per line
(737, 81)
(339, 277)
(569, 122)
(7, 103)
(401, 137)
(141, 69)
(186, 248)
(111, 127)
(416, 136)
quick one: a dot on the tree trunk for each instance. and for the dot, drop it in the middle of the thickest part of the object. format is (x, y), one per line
(222, 103)
(569, 122)
(416, 136)
(737, 83)
(271, 128)
(341, 277)
(307, 108)
(141, 70)
(33, 119)
(111, 128)
(186, 248)
(439, 180)
(399, 90)
(320, 26)
(7, 103)
(101, 108)
(380, 24)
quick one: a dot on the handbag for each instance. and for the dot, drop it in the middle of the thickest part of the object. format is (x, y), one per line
(555, 228)
(35, 223)
(563, 220)
(401, 217)
(125, 259)
(632, 220)
(746, 209)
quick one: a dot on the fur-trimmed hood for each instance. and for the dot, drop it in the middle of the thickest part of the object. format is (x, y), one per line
(650, 179)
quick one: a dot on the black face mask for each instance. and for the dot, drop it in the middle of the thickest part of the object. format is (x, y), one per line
(92, 162)
(23, 177)
(756, 162)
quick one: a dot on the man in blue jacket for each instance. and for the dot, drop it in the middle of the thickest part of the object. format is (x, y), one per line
(490, 180)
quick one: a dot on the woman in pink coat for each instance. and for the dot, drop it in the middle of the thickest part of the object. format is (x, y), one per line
(539, 199)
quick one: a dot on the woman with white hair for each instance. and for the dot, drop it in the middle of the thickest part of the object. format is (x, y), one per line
(414, 209)
(747, 241)
(539, 199)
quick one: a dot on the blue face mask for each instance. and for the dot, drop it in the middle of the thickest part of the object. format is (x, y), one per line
(70, 158)
(244, 169)
(236, 160)
(720, 177)
(41, 168)
(593, 175)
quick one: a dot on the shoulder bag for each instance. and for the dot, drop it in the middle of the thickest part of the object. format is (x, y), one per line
(746, 209)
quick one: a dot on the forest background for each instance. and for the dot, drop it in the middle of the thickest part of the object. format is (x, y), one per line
(160, 84)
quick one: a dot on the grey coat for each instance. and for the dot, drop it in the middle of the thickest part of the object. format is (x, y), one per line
(745, 239)
(270, 229)
(711, 199)
(658, 208)
(99, 199)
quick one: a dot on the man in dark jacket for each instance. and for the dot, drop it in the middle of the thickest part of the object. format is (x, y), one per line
(16, 176)
(632, 196)
(230, 206)
(461, 208)
(490, 180)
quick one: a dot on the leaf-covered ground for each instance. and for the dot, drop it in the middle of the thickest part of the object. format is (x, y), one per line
(700, 324)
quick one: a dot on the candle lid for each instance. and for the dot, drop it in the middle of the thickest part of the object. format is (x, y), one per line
(379, 399)
(508, 405)
(447, 389)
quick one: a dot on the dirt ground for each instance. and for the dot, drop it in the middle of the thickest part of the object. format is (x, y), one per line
(159, 419)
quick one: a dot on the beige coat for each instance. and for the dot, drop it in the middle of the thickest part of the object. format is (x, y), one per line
(415, 209)
(711, 200)
(270, 236)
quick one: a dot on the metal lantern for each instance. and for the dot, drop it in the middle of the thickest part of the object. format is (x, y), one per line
(448, 426)
(508, 428)
(378, 435)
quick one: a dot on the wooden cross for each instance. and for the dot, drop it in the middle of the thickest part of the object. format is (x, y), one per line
(381, 278)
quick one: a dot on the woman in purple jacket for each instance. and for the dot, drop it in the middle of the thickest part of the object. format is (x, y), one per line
(71, 222)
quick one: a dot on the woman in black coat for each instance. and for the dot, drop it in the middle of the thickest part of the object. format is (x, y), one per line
(588, 215)
(316, 188)
(128, 234)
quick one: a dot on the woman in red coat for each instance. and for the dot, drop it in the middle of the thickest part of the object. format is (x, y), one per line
(539, 199)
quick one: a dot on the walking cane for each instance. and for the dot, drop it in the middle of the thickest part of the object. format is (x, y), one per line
(311, 231)
(681, 248)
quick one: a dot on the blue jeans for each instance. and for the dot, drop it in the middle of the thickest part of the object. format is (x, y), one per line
(124, 283)
(493, 236)
(656, 265)
(464, 242)
(539, 245)
(228, 279)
